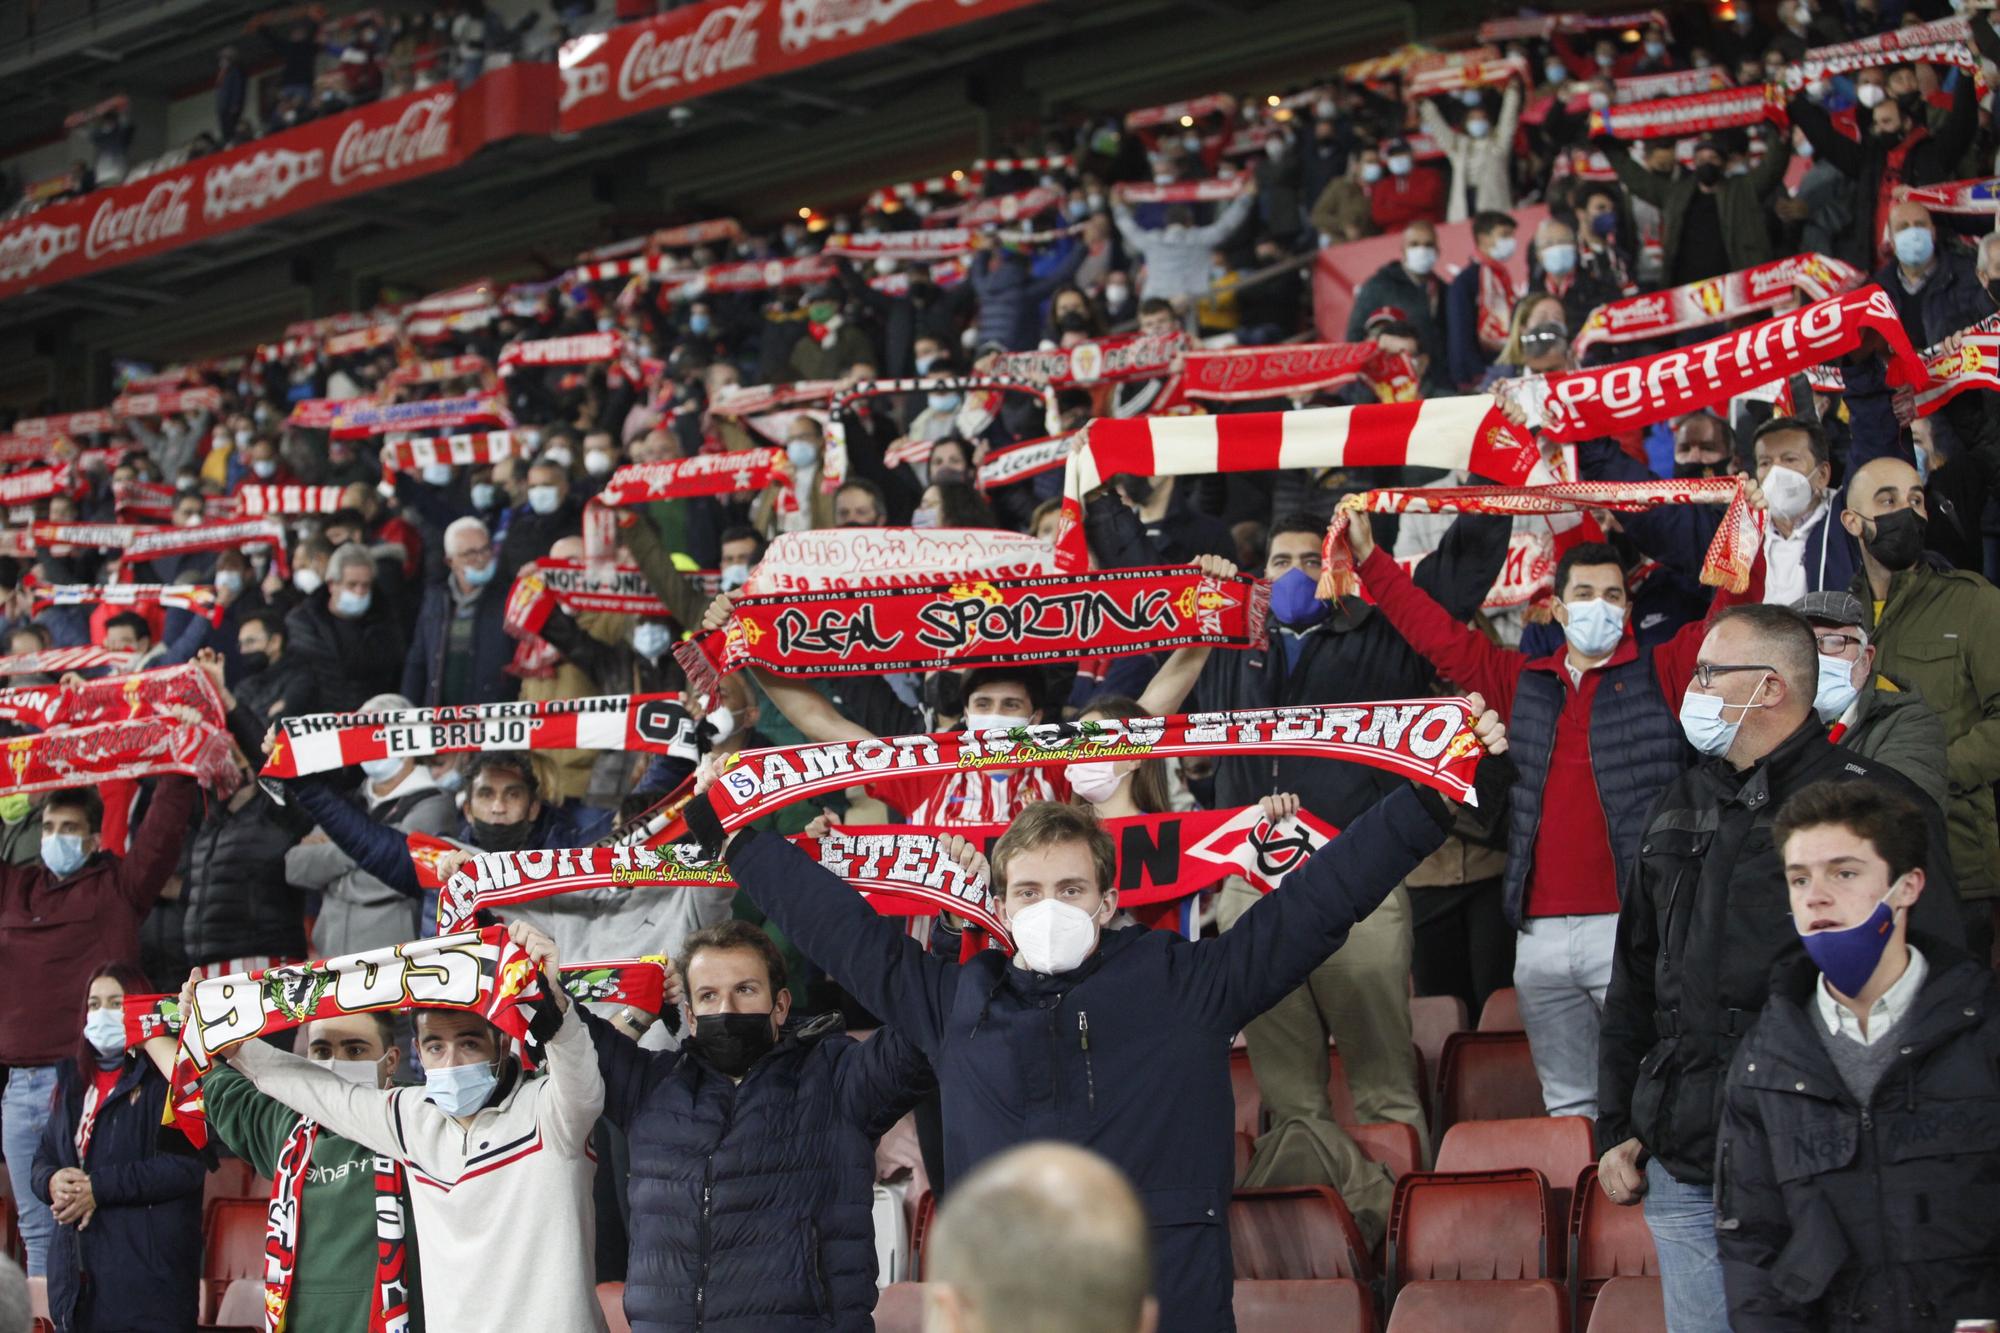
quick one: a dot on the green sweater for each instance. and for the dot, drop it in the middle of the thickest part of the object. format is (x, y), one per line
(335, 1283)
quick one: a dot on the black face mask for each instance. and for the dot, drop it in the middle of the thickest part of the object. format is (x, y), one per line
(1707, 173)
(1888, 138)
(253, 662)
(502, 837)
(1690, 471)
(1993, 289)
(732, 1043)
(1137, 489)
(1898, 539)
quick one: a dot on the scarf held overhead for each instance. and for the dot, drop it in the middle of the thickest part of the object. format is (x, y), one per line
(963, 623)
(143, 747)
(1467, 432)
(1698, 304)
(847, 558)
(323, 742)
(114, 699)
(1245, 374)
(577, 588)
(703, 474)
(476, 449)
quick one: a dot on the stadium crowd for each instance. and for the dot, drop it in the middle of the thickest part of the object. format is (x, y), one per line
(1730, 846)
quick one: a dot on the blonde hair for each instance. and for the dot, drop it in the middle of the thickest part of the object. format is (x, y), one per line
(1510, 351)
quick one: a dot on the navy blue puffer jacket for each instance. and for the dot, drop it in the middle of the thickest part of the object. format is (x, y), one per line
(751, 1201)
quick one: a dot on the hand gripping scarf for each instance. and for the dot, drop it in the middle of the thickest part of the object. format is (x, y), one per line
(1726, 565)
(322, 742)
(1288, 370)
(1426, 740)
(976, 623)
(1467, 432)
(144, 747)
(703, 474)
(850, 558)
(1690, 116)
(55, 661)
(1695, 305)
(114, 699)
(481, 972)
(1970, 359)
(1585, 404)
(470, 450)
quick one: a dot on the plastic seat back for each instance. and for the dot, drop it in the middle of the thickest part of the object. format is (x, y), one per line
(1629, 1305)
(232, 1247)
(1328, 1305)
(1606, 1243)
(1295, 1232)
(1557, 1146)
(1501, 1012)
(1432, 1019)
(1487, 1076)
(1476, 1226)
(1490, 1307)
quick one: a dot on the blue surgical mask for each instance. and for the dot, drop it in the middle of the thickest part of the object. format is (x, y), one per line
(350, 603)
(437, 474)
(1847, 958)
(460, 1089)
(1554, 71)
(1703, 724)
(229, 581)
(384, 767)
(1295, 599)
(1914, 246)
(803, 453)
(650, 639)
(1480, 128)
(451, 779)
(1836, 689)
(734, 577)
(1558, 259)
(924, 517)
(63, 854)
(943, 402)
(544, 499)
(104, 1029)
(1656, 49)
(1594, 626)
(478, 576)
(482, 495)
(924, 364)
(698, 322)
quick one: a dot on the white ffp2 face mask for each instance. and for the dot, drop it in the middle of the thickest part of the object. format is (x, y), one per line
(1094, 782)
(1052, 936)
(1787, 494)
(362, 1073)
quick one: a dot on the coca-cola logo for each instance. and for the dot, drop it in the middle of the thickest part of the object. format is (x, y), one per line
(422, 133)
(723, 42)
(160, 216)
(258, 181)
(28, 250)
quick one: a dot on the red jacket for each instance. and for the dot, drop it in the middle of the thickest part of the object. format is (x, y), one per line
(54, 935)
(1574, 873)
(1396, 201)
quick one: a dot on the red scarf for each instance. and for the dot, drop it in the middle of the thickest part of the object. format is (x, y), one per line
(114, 699)
(142, 748)
(389, 1312)
(102, 1081)
(1497, 295)
(703, 474)
(976, 623)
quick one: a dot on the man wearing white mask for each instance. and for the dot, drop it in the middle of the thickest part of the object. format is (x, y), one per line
(1865, 711)
(341, 1209)
(1804, 549)
(1410, 284)
(1594, 737)
(1088, 1033)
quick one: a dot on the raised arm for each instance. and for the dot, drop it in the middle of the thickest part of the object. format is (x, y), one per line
(366, 1115)
(1638, 182)
(156, 847)
(1175, 679)
(1467, 563)
(880, 1079)
(627, 1069)
(656, 563)
(573, 1093)
(1829, 144)
(1460, 653)
(376, 848)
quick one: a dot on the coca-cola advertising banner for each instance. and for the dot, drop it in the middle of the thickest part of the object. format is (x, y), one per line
(318, 162)
(705, 48)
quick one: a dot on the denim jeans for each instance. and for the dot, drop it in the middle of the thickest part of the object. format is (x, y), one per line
(24, 1111)
(1682, 1220)
(1562, 965)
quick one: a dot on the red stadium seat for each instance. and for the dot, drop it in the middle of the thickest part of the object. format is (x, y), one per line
(234, 1178)
(1501, 1012)
(241, 1304)
(1246, 1147)
(1295, 1232)
(1607, 1244)
(1249, 1100)
(1489, 1307)
(1486, 1226)
(920, 1231)
(1432, 1019)
(1392, 1143)
(1486, 1076)
(1558, 1147)
(899, 1308)
(232, 1247)
(611, 1300)
(1333, 1305)
(1629, 1305)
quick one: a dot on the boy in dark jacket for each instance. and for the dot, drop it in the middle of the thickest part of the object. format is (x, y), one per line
(1856, 1146)
(753, 1149)
(1117, 1040)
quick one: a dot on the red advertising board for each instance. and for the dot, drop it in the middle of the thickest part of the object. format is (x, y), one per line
(318, 162)
(702, 49)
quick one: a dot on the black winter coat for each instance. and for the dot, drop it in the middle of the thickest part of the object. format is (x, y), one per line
(1127, 1055)
(1834, 1215)
(492, 649)
(287, 684)
(752, 1202)
(136, 1267)
(351, 660)
(234, 899)
(1703, 919)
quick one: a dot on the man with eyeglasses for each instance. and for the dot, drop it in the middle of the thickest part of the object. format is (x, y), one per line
(1867, 711)
(460, 649)
(1705, 916)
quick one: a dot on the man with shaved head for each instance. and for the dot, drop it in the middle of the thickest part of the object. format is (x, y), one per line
(1704, 917)
(1046, 1236)
(1937, 630)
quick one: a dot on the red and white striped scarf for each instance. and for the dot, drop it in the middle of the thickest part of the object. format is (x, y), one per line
(198, 598)
(832, 558)
(56, 661)
(140, 748)
(1210, 191)
(1467, 433)
(474, 450)
(703, 474)
(114, 699)
(254, 500)
(1693, 115)
(1129, 356)
(1497, 295)
(389, 1312)
(444, 368)
(1455, 71)
(136, 543)
(167, 401)
(1654, 315)
(1727, 564)
(1945, 41)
